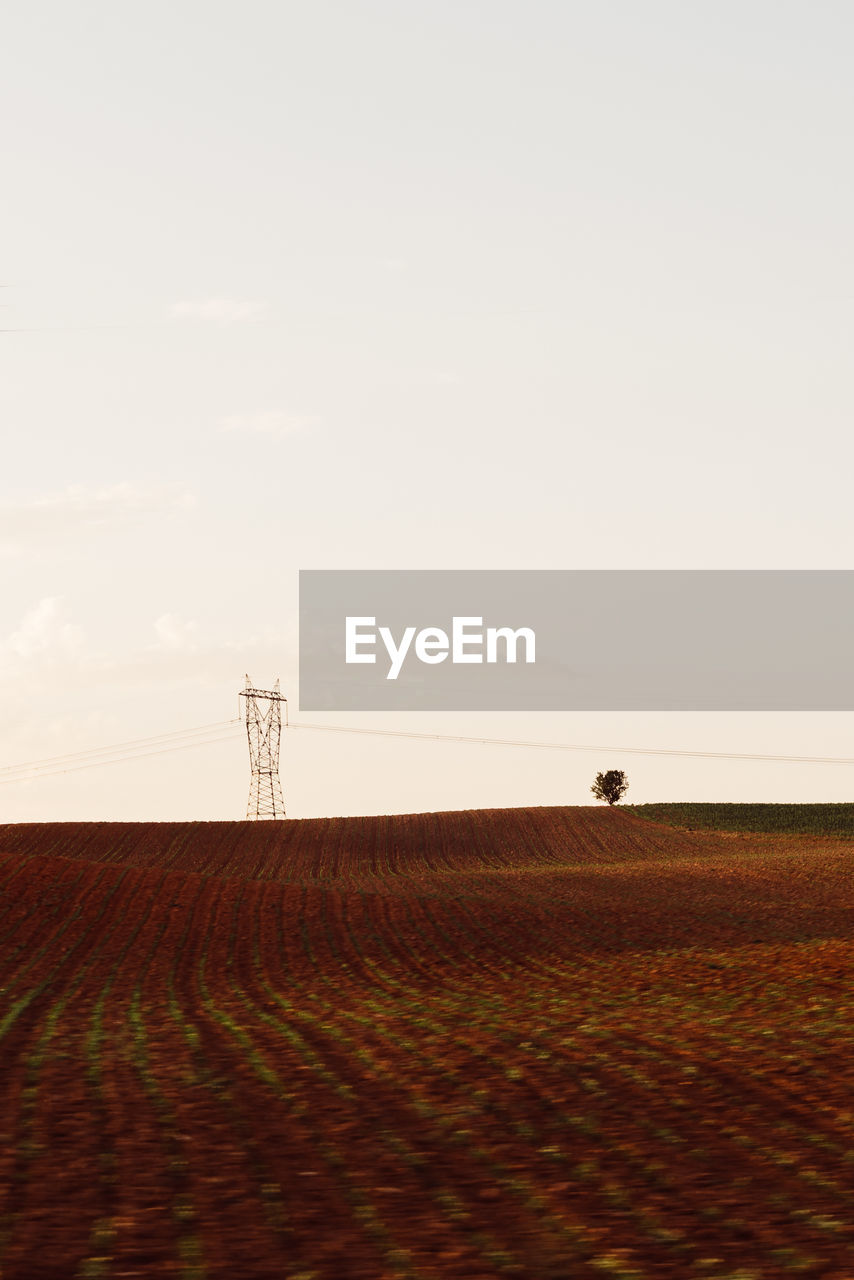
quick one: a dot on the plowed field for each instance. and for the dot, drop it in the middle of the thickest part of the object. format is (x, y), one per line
(534, 1043)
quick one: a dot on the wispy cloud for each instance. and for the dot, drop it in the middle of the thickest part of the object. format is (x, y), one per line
(45, 630)
(183, 652)
(275, 425)
(174, 634)
(47, 647)
(218, 310)
(44, 649)
(42, 518)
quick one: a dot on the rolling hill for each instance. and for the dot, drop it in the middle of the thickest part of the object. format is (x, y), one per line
(536, 1042)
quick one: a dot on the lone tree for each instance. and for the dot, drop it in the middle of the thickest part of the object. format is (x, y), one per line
(610, 786)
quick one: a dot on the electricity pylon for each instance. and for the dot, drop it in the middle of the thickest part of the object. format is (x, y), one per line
(264, 730)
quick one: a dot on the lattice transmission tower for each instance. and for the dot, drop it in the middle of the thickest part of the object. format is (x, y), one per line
(264, 730)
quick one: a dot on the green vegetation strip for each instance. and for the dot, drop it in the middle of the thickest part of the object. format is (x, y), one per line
(791, 819)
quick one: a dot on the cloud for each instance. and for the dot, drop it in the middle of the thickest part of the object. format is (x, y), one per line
(181, 655)
(218, 310)
(47, 650)
(174, 634)
(275, 425)
(46, 655)
(45, 632)
(48, 517)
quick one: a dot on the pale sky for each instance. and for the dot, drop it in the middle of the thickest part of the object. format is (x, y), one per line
(406, 285)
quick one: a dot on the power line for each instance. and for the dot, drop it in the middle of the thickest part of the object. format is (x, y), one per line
(567, 746)
(120, 746)
(122, 759)
(224, 730)
(137, 749)
(98, 764)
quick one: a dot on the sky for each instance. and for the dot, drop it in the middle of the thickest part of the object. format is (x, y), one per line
(404, 285)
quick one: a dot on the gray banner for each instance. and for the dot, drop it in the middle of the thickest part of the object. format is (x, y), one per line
(582, 640)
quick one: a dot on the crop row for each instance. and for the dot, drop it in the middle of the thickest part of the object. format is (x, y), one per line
(491, 1062)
